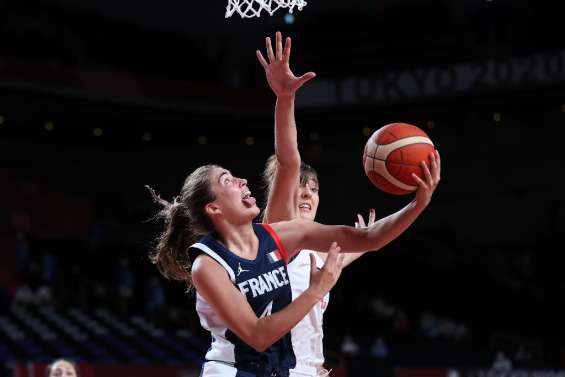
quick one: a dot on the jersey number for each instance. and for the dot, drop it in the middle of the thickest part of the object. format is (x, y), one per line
(267, 310)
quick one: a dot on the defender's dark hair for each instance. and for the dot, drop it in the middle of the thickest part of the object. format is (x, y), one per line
(184, 223)
(306, 172)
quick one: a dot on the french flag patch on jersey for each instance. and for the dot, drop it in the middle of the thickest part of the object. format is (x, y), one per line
(274, 256)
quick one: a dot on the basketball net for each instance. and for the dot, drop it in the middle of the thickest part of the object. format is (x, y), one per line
(253, 8)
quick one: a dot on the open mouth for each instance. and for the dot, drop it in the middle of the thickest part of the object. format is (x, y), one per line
(247, 199)
(305, 207)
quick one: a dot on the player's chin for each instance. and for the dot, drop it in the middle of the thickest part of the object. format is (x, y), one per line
(254, 210)
(307, 214)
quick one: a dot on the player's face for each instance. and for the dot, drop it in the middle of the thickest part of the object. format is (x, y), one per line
(233, 197)
(308, 199)
(62, 369)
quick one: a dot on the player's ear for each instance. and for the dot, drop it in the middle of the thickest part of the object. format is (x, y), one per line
(212, 209)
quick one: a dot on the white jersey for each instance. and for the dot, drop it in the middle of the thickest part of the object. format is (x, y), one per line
(307, 335)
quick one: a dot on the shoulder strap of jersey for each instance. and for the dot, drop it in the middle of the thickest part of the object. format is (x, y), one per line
(277, 240)
(206, 249)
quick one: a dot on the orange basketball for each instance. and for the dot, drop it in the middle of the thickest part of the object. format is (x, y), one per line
(393, 153)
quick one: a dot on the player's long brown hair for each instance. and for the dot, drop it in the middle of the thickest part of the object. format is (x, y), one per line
(184, 223)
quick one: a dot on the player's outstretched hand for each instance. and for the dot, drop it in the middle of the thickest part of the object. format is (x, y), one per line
(324, 280)
(279, 76)
(432, 176)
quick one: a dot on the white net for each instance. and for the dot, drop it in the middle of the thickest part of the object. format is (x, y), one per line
(253, 8)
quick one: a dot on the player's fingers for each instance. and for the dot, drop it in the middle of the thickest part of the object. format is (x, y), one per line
(420, 182)
(279, 51)
(372, 216)
(340, 259)
(262, 59)
(361, 221)
(332, 255)
(270, 54)
(305, 77)
(286, 53)
(438, 162)
(312, 264)
(356, 224)
(433, 166)
(427, 174)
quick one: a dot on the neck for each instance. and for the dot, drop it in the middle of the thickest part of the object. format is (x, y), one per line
(240, 239)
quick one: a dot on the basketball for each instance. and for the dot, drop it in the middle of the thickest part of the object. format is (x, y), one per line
(393, 153)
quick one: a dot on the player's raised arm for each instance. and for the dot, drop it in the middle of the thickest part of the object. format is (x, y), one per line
(281, 200)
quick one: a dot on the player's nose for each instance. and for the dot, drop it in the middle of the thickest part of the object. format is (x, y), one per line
(305, 193)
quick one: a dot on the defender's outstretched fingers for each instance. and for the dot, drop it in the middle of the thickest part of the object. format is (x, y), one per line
(279, 51)
(361, 222)
(340, 259)
(270, 54)
(286, 53)
(313, 268)
(262, 59)
(305, 77)
(332, 260)
(372, 216)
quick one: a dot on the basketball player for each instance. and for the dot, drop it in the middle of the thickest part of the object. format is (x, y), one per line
(293, 192)
(62, 368)
(307, 335)
(238, 268)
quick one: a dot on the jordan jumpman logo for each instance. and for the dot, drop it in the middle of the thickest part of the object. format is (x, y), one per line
(240, 270)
